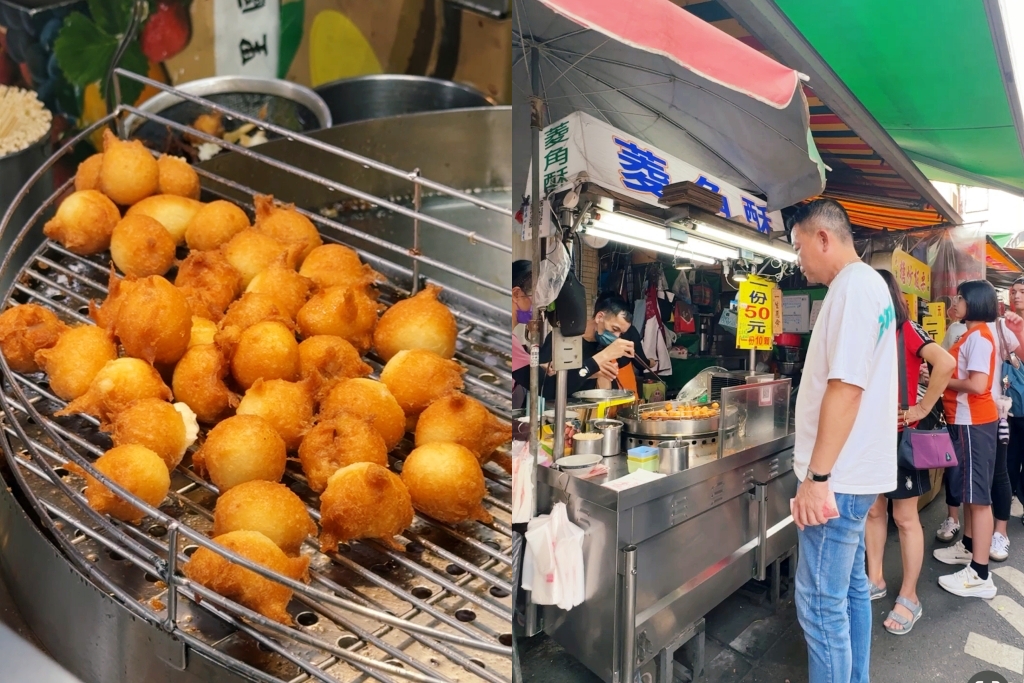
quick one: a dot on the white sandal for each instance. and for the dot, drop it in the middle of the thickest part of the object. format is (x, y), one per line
(905, 625)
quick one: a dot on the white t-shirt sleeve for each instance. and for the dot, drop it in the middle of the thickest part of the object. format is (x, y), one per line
(977, 351)
(853, 334)
(1011, 339)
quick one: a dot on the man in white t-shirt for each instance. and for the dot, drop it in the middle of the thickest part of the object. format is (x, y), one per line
(846, 415)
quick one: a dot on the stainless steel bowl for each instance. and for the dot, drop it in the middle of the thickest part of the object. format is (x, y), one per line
(612, 431)
(585, 444)
(674, 456)
(383, 95)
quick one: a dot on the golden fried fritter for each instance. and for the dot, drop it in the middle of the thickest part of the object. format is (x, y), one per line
(128, 172)
(290, 289)
(254, 308)
(134, 467)
(88, 175)
(209, 283)
(169, 210)
(420, 322)
(334, 265)
(154, 321)
(251, 252)
(245, 586)
(24, 330)
(204, 331)
(328, 360)
(74, 361)
(333, 444)
(198, 382)
(177, 177)
(167, 430)
(285, 224)
(446, 483)
(116, 386)
(267, 350)
(346, 312)
(140, 246)
(215, 224)
(240, 449)
(288, 406)
(369, 399)
(84, 222)
(417, 378)
(105, 314)
(267, 507)
(460, 419)
(364, 500)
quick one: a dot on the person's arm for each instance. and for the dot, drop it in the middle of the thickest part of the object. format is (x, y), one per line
(1015, 324)
(974, 384)
(941, 371)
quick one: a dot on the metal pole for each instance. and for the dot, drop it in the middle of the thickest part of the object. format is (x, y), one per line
(558, 429)
(753, 362)
(628, 622)
(417, 201)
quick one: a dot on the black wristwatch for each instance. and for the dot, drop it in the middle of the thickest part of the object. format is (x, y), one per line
(820, 478)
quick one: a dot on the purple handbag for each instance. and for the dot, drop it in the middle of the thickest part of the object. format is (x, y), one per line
(920, 449)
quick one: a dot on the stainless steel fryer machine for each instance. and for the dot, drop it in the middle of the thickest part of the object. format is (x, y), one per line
(661, 555)
(108, 600)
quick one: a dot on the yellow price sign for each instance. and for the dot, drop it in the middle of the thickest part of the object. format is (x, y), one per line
(754, 329)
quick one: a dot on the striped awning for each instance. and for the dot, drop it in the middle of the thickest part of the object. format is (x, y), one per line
(874, 193)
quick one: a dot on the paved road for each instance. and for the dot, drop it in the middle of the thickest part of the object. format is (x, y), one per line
(750, 643)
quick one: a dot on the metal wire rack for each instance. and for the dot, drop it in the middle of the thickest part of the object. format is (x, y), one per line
(438, 611)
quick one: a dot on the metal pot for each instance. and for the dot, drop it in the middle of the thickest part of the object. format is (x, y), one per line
(612, 430)
(15, 170)
(380, 96)
(586, 444)
(674, 456)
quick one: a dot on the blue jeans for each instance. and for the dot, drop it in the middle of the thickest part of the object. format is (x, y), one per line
(832, 597)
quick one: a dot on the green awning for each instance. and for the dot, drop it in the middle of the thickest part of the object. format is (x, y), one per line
(929, 71)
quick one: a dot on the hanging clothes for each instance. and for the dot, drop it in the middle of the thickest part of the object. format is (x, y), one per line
(654, 343)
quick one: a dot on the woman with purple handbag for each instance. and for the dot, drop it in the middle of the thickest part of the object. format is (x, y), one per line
(913, 346)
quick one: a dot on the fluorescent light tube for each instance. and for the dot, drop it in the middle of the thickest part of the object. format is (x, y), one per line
(621, 224)
(746, 243)
(678, 249)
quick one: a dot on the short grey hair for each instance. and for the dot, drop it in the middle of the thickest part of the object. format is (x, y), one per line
(829, 214)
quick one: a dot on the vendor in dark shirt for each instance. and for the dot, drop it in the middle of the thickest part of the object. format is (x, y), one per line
(602, 351)
(631, 370)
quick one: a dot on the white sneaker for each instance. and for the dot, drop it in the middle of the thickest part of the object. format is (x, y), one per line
(1000, 548)
(954, 554)
(967, 584)
(947, 530)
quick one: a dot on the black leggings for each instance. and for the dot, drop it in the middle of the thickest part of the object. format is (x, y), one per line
(1015, 457)
(1002, 493)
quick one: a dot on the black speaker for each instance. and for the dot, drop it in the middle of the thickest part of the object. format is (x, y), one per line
(571, 307)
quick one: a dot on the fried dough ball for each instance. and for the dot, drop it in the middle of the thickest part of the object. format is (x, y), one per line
(254, 308)
(417, 378)
(329, 360)
(211, 124)
(288, 406)
(285, 224)
(167, 430)
(74, 361)
(267, 507)
(135, 468)
(140, 246)
(460, 419)
(215, 224)
(204, 331)
(154, 322)
(333, 444)
(26, 329)
(290, 289)
(334, 265)
(267, 350)
(169, 210)
(369, 399)
(177, 177)
(88, 175)
(128, 172)
(364, 500)
(198, 382)
(84, 222)
(446, 483)
(117, 385)
(240, 449)
(346, 312)
(105, 314)
(420, 322)
(209, 283)
(244, 586)
(251, 252)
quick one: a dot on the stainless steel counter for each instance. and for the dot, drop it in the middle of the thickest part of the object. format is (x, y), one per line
(661, 555)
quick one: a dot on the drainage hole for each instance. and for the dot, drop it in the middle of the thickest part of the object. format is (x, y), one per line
(190, 550)
(152, 578)
(83, 489)
(114, 555)
(307, 618)
(397, 467)
(477, 662)
(455, 570)
(344, 548)
(265, 648)
(347, 641)
(421, 592)
(493, 544)
(157, 530)
(395, 662)
(499, 592)
(489, 377)
(60, 472)
(78, 533)
(505, 639)
(83, 310)
(414, 548)
(466, 615)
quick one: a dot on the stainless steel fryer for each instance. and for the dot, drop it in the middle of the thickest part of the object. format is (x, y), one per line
(107, 599)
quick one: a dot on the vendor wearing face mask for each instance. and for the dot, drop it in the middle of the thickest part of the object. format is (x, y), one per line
(602, 349)
(522, 313)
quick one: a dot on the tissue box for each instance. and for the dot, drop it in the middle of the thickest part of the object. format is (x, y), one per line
(642, 458)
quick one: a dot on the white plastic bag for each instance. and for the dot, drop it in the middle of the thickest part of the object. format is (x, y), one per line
(522, 482)
(553, 565)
